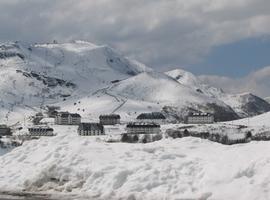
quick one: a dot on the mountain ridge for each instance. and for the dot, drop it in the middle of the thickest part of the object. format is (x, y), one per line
(36, 75)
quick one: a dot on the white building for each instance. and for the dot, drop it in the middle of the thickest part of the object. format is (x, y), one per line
(89, 129)
(143, 128)
(200, 118)
(111, 119)
(41, 131)
(65, 118)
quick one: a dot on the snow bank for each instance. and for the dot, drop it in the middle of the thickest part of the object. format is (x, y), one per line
(167, 169)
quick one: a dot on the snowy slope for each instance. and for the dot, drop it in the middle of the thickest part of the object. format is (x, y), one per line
(92, 80)
(259, 120)
(36, 75)
(243, 104)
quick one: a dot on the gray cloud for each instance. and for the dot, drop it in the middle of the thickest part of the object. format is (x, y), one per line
(159, 33)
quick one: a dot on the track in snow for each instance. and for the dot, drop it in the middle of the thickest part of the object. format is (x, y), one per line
(117, 98)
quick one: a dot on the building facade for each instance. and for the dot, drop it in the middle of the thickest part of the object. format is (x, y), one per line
(90, 129)
(143, 128)
(109, 119)
(65, 118)
(40, 131)
(200, 118)
(5, 130)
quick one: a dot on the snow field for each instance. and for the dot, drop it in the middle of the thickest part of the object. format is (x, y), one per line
(167, 169)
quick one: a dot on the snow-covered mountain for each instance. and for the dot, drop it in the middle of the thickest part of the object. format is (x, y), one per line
(244, 105)
(91, 80)
(267, 99)
(35, 75)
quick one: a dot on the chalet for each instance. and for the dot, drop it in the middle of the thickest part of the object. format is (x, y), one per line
(89, 129)
(66, 118)
(41, 131)
(156, 117)
(200, 118)
(5, 130)
(143, 128)
(111, 119)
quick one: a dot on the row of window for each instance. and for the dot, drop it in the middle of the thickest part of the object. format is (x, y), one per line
(94, 132)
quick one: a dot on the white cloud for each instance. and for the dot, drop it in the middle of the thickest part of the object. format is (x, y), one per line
(257, 82)
(158, 32)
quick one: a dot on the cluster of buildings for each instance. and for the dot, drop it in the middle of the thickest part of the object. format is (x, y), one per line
(84, 129)
(146, 123)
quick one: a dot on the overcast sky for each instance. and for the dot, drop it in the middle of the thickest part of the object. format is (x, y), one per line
(218, 37)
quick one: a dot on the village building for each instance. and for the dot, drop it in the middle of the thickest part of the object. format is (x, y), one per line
(155, 117)
(66, 118)
(41, 131)
(111, 119)
(90, 129)
(143, 128)
(200, 118)
(5, 130)
(53, 111)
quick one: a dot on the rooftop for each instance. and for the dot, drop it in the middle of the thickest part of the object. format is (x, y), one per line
(66, 114)
(115, 116)
(90, 126)
(152, 115)
(200, 114)
(40, 128)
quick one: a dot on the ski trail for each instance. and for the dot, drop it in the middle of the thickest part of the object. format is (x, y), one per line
(120, 100)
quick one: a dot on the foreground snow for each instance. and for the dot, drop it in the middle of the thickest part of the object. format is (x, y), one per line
(168, 169)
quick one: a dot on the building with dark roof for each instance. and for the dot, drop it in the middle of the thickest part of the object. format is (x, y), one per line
(40, 131)
(111, 119)
(156, 117)
(52, 111)
(200, 118)
(90, 129)
(143, 128)
(66, 118)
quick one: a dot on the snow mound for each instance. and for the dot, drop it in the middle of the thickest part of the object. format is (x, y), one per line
(187, 168)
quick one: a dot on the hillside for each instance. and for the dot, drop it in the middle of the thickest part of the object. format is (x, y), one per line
(243, 104)
(259, 120)
(36, 75)
(92, 80)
